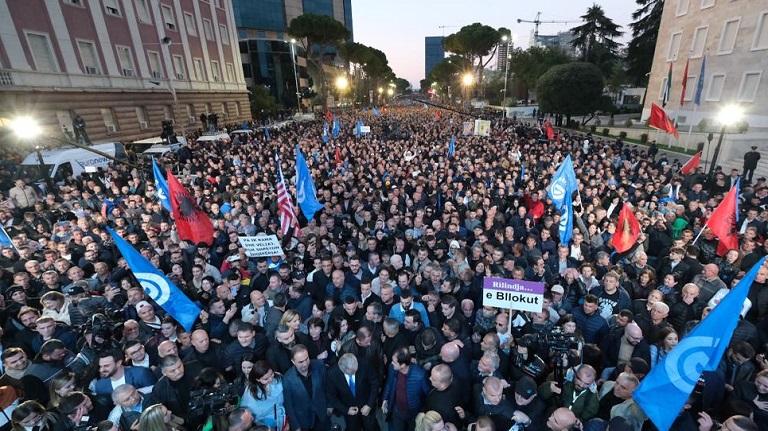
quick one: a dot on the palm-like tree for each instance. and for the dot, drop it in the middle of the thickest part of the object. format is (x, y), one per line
(595, 38)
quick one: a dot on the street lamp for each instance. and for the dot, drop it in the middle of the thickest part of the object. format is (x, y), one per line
(295, 75)
(468, 79)
(25, 127)
(390, 92)
(729, 115)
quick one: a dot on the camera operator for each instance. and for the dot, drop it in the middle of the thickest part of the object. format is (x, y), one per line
(525, 359)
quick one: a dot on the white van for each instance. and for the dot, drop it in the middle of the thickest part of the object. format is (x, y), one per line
(59, 163)
(156, 147)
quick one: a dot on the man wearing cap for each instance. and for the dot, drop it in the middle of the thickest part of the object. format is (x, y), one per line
(750, 164)
(527, 403)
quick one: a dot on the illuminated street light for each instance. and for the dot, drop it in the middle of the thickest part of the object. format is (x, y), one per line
(504, 38)
(26, 127)
(729, 115)
(380, 90)
(467, 79)
(293, 40)
(342, 83)
(391, 91)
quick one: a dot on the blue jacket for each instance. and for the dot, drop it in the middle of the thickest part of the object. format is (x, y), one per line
(138, 377)
(593, 327)
(417, 389)
(302, 408)
(398, 313)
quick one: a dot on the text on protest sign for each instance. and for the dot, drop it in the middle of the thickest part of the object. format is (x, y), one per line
(513, 294)
(261, 246)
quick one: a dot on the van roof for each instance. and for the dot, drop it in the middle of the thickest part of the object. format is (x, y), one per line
(52, 155)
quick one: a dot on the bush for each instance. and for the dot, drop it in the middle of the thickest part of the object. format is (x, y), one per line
(703, 125)
(592, 128)
(628, 123)
(606, 132)
(623, 135)
(644, 138)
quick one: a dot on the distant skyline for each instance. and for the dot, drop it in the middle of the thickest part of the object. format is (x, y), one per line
(398, 27)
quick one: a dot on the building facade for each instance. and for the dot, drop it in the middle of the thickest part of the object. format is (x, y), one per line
(562, 41)
(265, 46)
(502, 55)
(123, 66)
(732, 35)
(434, 53)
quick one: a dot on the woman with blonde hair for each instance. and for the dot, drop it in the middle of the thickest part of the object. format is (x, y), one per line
(156, 418)
(61, 386)
(429, 421)
(291, 319)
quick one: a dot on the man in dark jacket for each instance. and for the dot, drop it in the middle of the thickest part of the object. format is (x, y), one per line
(352, 393)
(620, 347)
(172, 390)
(688, 308)
(593, 327)
(279, 351)
(446, 397)
(304, 390)
(404, 392)
(750, 163)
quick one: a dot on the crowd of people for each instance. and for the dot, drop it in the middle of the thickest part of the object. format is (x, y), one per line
(373, 318)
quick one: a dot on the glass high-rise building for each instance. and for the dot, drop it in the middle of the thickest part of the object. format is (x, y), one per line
(434, 53)
(265, 44)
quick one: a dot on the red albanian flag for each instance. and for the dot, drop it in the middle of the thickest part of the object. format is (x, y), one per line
(691, 165)
(192, 223)
(627, 230)
(721, 223)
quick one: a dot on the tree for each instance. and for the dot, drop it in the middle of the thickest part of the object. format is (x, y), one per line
(446, 73)
(528, 65)
(262, 102)
(402, 85)
(571, 89)
(474, 42)
(640, 49)
(595, 38)
(314, 31)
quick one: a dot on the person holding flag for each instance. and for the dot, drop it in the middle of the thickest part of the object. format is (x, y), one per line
(325, 135)
(560, 191)
(192, 223)
(289, 222)
(161, 186)
(305, 187)
(452, 147)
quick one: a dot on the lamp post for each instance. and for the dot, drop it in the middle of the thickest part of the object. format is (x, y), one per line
(507, 40)
(342, 84)
(295, 75)
(728, 116)
(467, 80)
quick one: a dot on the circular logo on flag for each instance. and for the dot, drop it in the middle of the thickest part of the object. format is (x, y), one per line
(155, 286)
(558, 189)
(685, 363)
(300, 196)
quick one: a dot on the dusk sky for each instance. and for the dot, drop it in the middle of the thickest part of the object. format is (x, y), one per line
(398, 27)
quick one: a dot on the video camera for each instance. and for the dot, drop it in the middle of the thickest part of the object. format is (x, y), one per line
(559, 342)
(213, 401)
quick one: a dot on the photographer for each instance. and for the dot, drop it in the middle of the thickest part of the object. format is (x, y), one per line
(73, 413)
(525, 359)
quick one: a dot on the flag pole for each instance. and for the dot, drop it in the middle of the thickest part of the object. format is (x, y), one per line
(700, 232)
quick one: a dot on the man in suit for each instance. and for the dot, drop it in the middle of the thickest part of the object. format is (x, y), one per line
(304, 387)
(113, 373)
(750, 163)
(352, 392)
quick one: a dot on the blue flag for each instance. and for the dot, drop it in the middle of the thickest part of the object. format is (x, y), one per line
(376, 112)
(358, 128)
(452, 147)
(5, 239)
(161, 186)
(305, 187)
(157, 286)
(336, 130)
(325, 132)
(664, 391)
(700, 83)
(266, 133)
(561, 192)
(522, 171)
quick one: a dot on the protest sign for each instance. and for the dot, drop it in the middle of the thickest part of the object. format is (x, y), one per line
(261, 246)
(513, 294)
(468, 127)
(482, 127)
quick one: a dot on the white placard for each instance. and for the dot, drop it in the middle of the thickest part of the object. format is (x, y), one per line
(261, 246)
(365, 129)
(482, 127)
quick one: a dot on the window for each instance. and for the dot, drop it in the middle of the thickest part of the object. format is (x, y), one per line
(716, 85)
(141, 115)
(199, 73)
(230, 72)
(154, 64)
(218, 4)
(42, 53)
(208, 109)
(208, 29)
(674, 46)
(178, 67)
(168, 112)
(142, 10)
(216, 71)
(75, 2)
(705, 4)
(749, 84)
(168, 19)
(189, 22)
(126, 60)
(699, 42)
(690, 88)
(109, 120)
(223, 34)
(112, 7)
(682, 7)
(761, 32)
(728, 36)
(237, 109)
(88, 57)
(663, 88)
(190, 113)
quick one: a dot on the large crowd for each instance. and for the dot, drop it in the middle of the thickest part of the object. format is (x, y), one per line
(373, 318)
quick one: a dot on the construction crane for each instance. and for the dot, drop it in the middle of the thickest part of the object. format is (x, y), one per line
(443, 27)
(538, 22)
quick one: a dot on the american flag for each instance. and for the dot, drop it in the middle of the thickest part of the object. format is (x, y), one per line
(285, 208)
